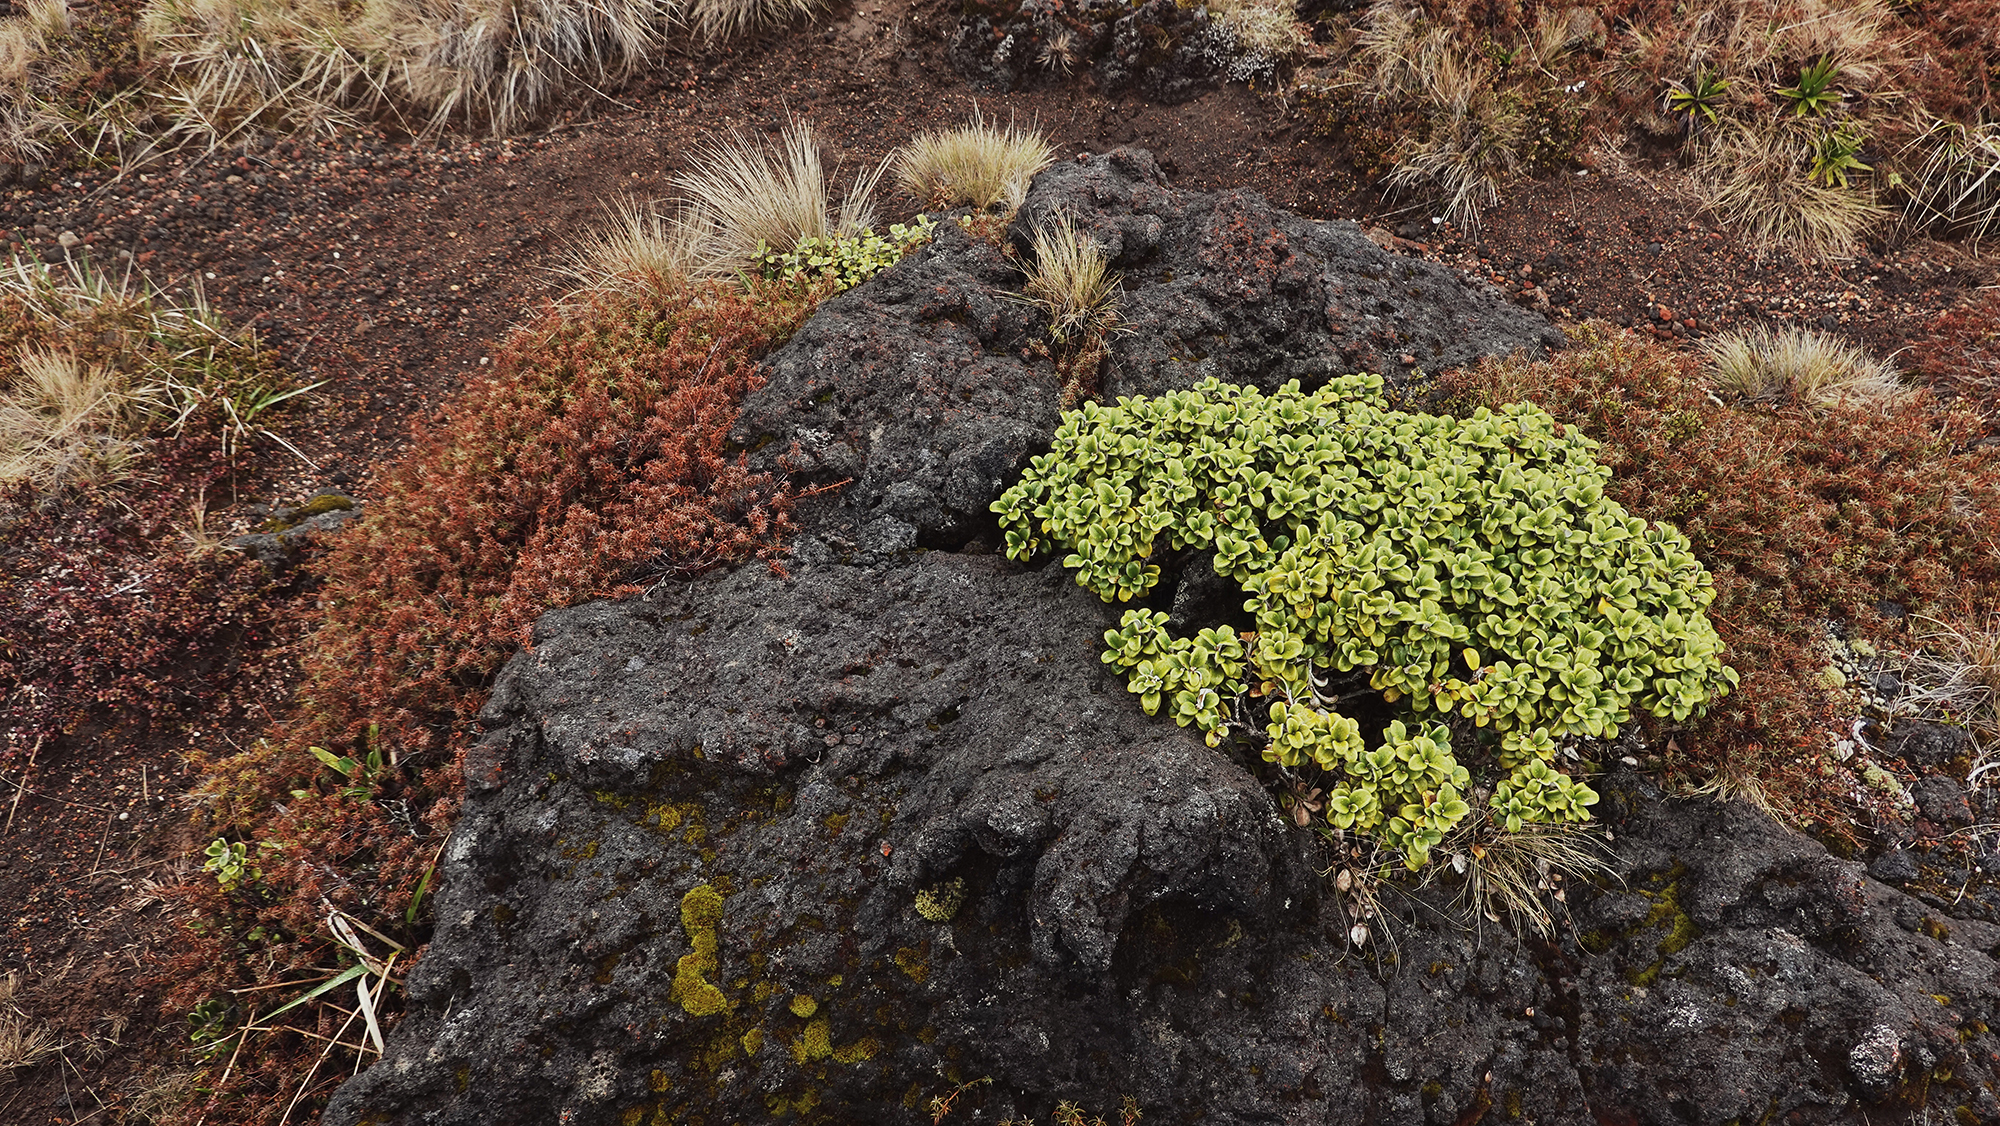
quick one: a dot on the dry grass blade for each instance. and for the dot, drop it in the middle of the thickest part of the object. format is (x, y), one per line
(743, 200)
(1072, 281)
(1794, 365)
(978, 164)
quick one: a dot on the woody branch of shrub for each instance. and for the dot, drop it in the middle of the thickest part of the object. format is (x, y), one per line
(1846, 514)
(593, 459)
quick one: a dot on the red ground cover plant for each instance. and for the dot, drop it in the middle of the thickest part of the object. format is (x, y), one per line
(595, 457)
(106, 628)
(1854, 515)
(1959, 354)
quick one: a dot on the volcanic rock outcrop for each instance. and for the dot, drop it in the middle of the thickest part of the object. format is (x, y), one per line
(883, 828)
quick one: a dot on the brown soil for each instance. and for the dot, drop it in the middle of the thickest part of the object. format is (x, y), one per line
(388, 269)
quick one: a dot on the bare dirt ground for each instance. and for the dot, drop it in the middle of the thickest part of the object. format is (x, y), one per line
(388, 269)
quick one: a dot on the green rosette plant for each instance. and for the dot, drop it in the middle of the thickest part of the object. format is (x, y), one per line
(1468, 569)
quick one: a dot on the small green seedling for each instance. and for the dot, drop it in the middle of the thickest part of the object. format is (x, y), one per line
(1698, 97)
(1814, 94)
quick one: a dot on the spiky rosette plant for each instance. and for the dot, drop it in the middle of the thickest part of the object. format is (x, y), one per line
(1463, 568)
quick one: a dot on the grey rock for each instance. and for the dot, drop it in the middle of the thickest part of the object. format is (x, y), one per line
(1926, 745)
(1942, 800)
(1896, 866)
(292, 530)
(1876, 1060)
(1138, 917)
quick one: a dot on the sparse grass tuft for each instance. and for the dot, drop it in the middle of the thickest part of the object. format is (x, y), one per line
(1471, 142)
(1072, 282)
(1953, 675)
(20, 1045)
(1958, 186)
(1758, 175)
(1511, 876)
(88, 363)
(978, 164)
(744, 200)
(1795, 365)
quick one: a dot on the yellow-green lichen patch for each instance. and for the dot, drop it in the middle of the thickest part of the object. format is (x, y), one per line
(753, 1041)
(862, 1049)
(701, 911)
(940, 901)
(835, 822)
(804, 1006)
(815, 1043)
(800, 1105)
(659, 1081)
(719, 1052)
(914, 962)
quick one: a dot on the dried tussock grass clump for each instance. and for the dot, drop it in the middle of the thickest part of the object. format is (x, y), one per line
(33, 64)
(1262, 28)
(1756, 175)
(501, 63)
(219, 67)
(743, 200)
(1072, 282)
(225, 66)
(1472, 142)
(722, 19)
(89, 363)
(77, 376)
(978, 164)
(1468, 136)
(1795, 365)
(61, 420)
(637, 248)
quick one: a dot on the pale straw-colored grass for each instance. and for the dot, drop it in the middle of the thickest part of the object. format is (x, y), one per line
(744, 199)
(978, 163)
(1795, 365)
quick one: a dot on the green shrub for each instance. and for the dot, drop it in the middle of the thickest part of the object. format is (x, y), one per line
(1467, 569)
(845, 260)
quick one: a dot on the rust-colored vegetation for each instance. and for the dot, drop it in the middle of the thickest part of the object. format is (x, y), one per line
(1855, 517)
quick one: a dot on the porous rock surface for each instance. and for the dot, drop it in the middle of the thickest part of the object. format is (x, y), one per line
(830, 843)
(923, 391)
